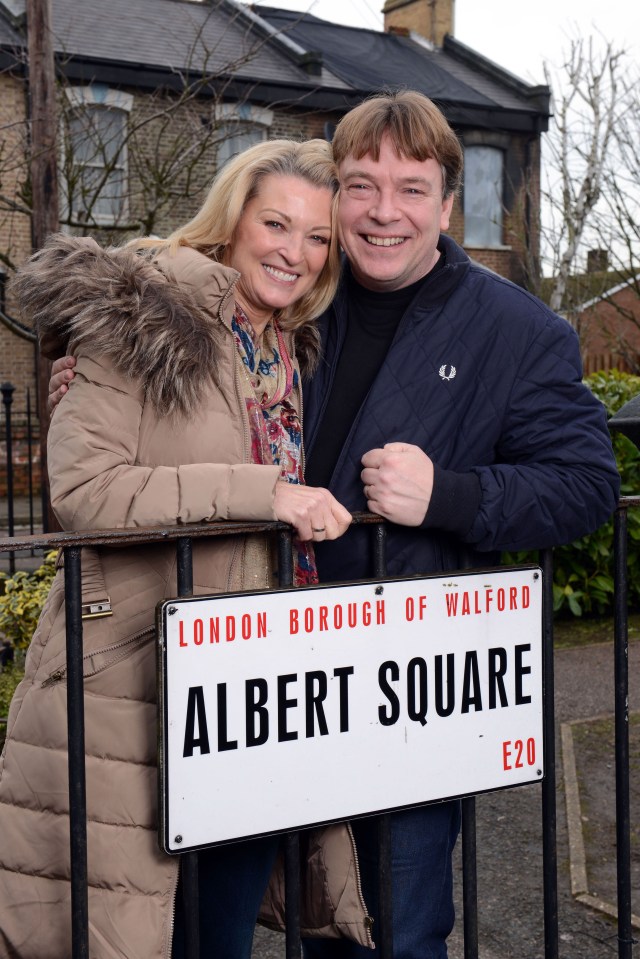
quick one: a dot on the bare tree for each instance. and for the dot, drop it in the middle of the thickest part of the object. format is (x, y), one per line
(590, 199)
(617, 222)
(15, 186)
(139, 163)
(586, 105)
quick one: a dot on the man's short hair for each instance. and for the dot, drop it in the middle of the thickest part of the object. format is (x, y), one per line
(416, 126)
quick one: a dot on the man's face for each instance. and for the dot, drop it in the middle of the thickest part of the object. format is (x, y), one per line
(390, 216)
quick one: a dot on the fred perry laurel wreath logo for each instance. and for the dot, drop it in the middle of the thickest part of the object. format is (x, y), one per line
(447, 376)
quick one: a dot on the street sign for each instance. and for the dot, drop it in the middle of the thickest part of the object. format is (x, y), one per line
(285, 709)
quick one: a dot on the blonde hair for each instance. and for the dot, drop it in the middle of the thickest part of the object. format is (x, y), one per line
(417, 128)
(236, 184)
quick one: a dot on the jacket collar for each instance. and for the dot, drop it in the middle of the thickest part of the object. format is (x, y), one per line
(156, 325)
(437, 285)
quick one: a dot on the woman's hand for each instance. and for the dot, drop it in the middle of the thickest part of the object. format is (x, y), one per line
(313, 512)
(61, 375)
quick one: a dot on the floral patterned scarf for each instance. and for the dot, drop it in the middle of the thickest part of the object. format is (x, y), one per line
(276, 432)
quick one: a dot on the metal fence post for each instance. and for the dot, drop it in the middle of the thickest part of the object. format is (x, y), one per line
(7, 400)
(384, 938)
(468, 824)
(549, 813)
(469, 878)
(291, 841)
(76, 757)
(621, 673)
(189, 860)
(30, 461)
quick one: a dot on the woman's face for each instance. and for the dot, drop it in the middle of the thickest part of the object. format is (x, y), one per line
(280, 245)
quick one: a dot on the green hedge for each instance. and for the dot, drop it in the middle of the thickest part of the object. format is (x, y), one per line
(583, 570)
(22, 597)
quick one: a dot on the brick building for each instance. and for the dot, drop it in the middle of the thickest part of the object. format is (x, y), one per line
(154, 95)
(609, 324)
(603, 305)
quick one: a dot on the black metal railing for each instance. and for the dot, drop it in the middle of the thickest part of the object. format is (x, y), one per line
(72, 544)
(17, 429)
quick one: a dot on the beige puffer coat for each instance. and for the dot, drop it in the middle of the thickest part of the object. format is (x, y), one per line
(153, 431)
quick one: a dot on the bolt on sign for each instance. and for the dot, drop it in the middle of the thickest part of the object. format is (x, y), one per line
(284, 709)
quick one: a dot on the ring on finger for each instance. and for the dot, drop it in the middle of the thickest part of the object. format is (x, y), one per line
(318, 529)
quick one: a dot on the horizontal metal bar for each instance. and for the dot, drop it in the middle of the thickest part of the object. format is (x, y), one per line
(151, 534)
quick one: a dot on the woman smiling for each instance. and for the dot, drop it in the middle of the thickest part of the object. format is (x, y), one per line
(185, 407)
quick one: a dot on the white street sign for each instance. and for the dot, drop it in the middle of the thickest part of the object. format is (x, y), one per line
(284, 709)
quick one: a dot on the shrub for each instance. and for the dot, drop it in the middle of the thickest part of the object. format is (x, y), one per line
(583, 570)
(22, 597)
(21, 600)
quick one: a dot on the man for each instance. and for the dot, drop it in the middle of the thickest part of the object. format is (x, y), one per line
(450, 402)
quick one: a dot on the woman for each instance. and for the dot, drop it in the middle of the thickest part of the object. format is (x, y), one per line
(184, 407)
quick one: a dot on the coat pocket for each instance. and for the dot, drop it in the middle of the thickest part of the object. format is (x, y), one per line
(107, 636)
(96, 661)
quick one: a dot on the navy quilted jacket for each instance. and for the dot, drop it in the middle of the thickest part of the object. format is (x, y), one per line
(487, 381)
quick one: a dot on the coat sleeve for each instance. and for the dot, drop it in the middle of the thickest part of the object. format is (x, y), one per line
(96, 482)
(555, 476)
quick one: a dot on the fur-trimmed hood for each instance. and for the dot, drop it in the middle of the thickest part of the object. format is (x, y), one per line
(155, 317)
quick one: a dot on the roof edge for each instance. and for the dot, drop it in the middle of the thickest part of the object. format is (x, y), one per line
(15, 11)
(310, 61)
(538, 94)
(624, 284)
(249, 14)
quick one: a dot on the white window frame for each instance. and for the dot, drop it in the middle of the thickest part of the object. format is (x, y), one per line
(483, 212)
(253, 123)
(101, 97)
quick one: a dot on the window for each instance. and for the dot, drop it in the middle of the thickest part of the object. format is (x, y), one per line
(235, 137)
(483, 201)
(240, 127)
(95, 163)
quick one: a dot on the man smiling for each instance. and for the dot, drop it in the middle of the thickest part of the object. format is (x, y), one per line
(450, 402)
(391, 217)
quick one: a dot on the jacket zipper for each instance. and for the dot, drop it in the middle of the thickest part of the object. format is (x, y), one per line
(58, 675)
(368, 920)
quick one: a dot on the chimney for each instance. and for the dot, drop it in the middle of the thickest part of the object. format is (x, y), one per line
(432, 19)
(311, 62)
(597, 261)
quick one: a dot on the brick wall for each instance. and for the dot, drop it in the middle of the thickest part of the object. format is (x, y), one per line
(610, 333)
(16, 354)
